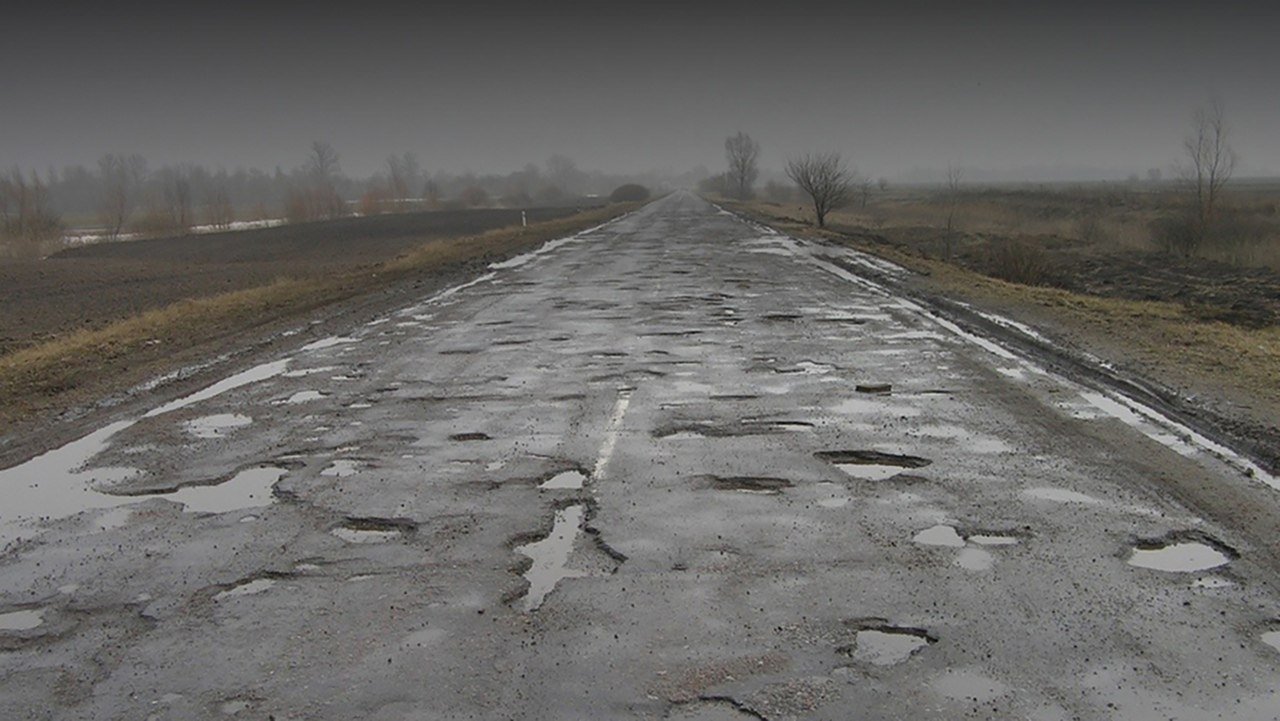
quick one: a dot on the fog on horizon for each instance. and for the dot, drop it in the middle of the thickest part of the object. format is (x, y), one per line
(1076, 91)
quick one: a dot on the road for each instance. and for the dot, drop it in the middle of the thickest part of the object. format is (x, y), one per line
(677, 466)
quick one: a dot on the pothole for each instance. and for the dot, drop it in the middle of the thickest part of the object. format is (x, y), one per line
(465, 437)
(939, 535)
(302, 397)
(550, 556)
(341, 468)
(749, 484)
(882, 644)
(24, 620)
(805, 367)
(249, 488)
(874, 388)
(1182, 552)
(781, 317)
(572, 479)
(871, 465)
(249, 588)
(373, 530)
(216, 426)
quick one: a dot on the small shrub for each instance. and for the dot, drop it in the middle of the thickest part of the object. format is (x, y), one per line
(1018, 261)
(1176, 233)
(629, 193)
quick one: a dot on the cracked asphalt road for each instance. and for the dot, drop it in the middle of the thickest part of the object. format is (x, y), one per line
(634, 476)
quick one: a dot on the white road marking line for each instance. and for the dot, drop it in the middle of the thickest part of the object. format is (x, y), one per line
(611, 434)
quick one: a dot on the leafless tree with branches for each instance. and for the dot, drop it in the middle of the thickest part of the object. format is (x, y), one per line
(1209, 162)
(825, 179)
(955, 176)
(741, 152)
(122, 177)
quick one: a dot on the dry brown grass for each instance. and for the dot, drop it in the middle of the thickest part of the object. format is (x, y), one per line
(38, 377)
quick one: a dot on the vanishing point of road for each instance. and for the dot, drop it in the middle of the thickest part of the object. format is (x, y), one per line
(675, 467)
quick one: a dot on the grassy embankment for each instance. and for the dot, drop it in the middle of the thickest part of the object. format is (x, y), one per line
(72, 368)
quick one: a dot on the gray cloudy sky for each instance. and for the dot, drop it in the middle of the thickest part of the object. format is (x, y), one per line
(1028, 89)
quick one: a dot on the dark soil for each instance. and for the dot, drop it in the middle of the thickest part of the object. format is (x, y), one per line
(94, 285)
(1212, 290)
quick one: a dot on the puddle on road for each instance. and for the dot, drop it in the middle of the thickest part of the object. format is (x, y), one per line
(216, 426)
(565, 480)
(550, 556)
(886, 645)
(1272, 639)
(329, 342)
(939, 535)
(1179, 556)
(302, 397)
(256, 586)
(805, 367)
(871, 465)
(1059, 495)
(21, 620)
(249, 488)
(304, 372)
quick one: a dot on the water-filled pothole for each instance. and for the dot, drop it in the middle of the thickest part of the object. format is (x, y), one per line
(939, 535)
(550, 556)
(1182, 552)
(874, 388)
(749, 484)
(572, 479)
(302, 397)
(373, 530)
(249, 488)
(24, 620)
(871, 465)
(216, 426)
(886, 645)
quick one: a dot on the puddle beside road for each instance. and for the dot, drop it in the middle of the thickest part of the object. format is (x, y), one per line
(216, 426)
(21, 620)
(550, 556)
(565, 480)
(1181, 556)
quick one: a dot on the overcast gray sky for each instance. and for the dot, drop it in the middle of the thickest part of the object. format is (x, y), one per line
(1028, 89)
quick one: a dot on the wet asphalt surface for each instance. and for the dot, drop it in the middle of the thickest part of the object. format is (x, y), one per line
(674, 467)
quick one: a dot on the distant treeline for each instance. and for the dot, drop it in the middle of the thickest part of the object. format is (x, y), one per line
(123, 194)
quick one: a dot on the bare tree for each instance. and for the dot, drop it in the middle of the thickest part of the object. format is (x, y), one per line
(25, 211)
(741, 152)
(1209, 162)
(323, 161)
(122, 177)
(864, 191)
(824, 178)
(320, 199)
(955, 176)
(219, 210)
(402, 172)
(176, 190)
